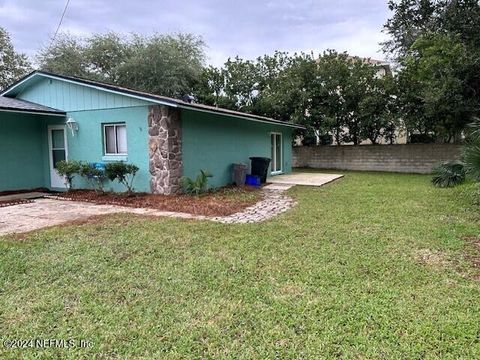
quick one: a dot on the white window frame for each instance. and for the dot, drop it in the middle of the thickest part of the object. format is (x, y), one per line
(277, 172)
(104, 130)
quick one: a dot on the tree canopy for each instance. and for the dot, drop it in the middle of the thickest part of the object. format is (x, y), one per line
(332, 93)
(437, 47)
(13, 65)
(169, 65)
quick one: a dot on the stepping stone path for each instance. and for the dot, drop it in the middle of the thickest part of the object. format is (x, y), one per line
(274, 202)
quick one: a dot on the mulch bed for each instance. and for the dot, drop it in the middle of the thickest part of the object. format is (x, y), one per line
(222, 202)
(6, 203)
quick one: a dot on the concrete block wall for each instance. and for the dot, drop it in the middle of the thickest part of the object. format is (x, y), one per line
(404, 158)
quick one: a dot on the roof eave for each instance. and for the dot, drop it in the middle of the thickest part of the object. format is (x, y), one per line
(245, 117)
(33, 112)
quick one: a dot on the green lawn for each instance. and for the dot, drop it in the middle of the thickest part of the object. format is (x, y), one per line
(371, 266)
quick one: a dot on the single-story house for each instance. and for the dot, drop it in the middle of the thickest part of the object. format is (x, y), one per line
(45, 118)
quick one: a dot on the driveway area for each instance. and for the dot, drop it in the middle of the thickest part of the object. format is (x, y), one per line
(47, 212)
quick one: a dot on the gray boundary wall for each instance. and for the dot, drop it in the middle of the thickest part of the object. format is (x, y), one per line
(404, 158)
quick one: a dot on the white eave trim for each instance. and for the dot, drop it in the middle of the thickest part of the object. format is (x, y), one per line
(144, 98)
(32, 112)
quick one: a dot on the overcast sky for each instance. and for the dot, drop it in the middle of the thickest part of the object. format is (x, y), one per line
(248, 28)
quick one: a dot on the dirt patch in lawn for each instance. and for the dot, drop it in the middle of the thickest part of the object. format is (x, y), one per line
(222, 202)
(472, 254)
(431, 257)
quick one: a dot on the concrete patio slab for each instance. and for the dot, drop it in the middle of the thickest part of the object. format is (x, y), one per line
(278, 186)
(308, 179)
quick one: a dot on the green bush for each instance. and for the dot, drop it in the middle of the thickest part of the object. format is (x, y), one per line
(197, 186)
(68, 169)
(95, 177)
(122, 172)
(449, 174)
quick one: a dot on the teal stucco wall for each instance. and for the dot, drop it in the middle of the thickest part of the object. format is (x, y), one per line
(87, 144)
(214, 142)
(24, 151)
(91, 108)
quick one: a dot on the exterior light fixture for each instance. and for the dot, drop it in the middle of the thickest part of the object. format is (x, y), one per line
(72, 125)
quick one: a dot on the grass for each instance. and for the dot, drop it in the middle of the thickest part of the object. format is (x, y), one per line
(372, 266)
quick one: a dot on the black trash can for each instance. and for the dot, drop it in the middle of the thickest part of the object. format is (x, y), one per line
(260, 167)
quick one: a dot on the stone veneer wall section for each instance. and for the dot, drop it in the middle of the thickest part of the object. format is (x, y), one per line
(405, 158)
(165, 149)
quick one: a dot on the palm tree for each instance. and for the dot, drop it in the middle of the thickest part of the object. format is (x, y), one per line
(471, 152)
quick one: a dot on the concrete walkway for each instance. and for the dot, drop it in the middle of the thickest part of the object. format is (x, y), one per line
(49, 212)
(43, 213)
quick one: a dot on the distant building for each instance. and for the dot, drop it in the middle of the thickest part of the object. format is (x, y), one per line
(383, 67)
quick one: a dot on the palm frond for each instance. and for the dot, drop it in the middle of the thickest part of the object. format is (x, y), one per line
(449, 174)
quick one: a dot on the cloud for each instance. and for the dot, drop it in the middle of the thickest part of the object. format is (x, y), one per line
(249, 28)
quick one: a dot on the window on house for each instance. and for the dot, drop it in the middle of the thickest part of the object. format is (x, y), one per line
(115, 139)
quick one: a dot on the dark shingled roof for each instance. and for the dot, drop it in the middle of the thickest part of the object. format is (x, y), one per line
(26, 106)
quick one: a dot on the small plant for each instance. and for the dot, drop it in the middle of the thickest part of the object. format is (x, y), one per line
(197, 186)
(68, 169)
(95, 176)
(123, 173)
(449, 174)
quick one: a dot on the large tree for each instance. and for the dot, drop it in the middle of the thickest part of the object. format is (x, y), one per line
(65, 56)
(105, 54)
(377, 110)
(13, 65)
(333, 93)
(355, 102)
(437, 45)
(435, 70)
(284, 87)
(169, 65)
(414, 18)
